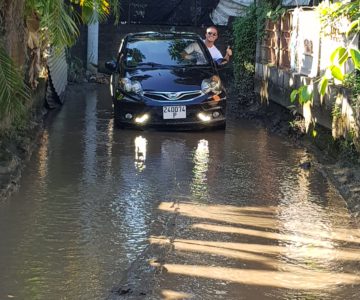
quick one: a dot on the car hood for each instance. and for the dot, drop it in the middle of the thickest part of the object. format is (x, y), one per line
(170, 79)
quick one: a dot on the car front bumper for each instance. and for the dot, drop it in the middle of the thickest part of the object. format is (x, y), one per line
(141, 114)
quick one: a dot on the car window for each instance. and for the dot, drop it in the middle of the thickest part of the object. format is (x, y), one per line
(164, 52)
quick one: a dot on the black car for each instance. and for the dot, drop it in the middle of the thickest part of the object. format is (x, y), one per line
(157, 81)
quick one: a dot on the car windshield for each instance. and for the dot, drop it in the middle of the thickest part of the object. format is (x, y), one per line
(164, 52)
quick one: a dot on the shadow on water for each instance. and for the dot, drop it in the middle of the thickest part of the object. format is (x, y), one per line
(258, 252)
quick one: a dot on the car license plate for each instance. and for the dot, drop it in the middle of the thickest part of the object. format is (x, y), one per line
(174, 112)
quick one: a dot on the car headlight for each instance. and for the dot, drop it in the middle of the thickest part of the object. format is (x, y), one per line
(131, 86)
(212, 84)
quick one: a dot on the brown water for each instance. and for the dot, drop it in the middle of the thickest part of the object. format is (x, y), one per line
(254, 219)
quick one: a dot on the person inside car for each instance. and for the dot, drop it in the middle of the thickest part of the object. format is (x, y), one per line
(193, 52)
(210, 37)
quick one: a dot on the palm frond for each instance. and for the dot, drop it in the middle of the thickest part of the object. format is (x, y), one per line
(13, 91)
(115, 9)
(94, 10)
(98, 10)
(61, 28)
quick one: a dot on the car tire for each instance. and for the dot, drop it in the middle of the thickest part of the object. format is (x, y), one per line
(222, 126)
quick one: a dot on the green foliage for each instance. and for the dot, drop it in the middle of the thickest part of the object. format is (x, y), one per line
(246, 31)
(353, 82)
(353, 26)
(355, 55)
(59, 20)
(347, 149)
(58, 27)
(331, 16)
(276, 13)
(176, 47)
(303, 94)
(355, 79)
(336, 111)
(97, 10)
(324, 82)
(14, 94)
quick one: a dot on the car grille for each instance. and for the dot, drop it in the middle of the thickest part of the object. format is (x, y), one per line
(166, 96)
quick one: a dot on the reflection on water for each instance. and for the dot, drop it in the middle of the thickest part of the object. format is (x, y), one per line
(43, 155)
(109, 145)
(90, 139)
(253, 226)
(199, 185)
(304, 215)
(300, 247)
(140, 153)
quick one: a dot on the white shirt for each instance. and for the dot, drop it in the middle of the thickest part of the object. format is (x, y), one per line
(215, 53)
(195, 48)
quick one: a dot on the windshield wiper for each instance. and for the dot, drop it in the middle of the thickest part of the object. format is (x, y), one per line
(193, 66)
(151, 64)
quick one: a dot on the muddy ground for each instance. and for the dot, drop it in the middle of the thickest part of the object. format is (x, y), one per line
(15, 149)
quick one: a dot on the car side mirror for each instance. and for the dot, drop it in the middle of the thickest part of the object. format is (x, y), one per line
(111, 65)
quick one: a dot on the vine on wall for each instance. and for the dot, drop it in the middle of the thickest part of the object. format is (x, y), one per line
(247, 29)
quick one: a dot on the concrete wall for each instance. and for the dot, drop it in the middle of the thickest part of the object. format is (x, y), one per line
(274, 84)
(276, 74)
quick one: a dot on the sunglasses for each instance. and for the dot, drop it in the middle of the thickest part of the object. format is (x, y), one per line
(212, 33)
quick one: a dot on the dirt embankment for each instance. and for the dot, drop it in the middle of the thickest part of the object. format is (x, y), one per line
(15, 149)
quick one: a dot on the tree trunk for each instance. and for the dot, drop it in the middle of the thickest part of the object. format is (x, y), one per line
(14, 30)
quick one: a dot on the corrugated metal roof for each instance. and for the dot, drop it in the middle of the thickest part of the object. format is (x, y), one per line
(58, 70)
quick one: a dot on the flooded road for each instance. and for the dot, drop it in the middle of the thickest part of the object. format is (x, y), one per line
(250, 224)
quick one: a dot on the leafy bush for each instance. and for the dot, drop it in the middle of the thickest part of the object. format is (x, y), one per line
(247, 30)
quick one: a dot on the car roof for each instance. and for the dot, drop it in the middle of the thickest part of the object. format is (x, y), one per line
(162, 35)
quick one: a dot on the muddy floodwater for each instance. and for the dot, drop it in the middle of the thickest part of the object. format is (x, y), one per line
(251, 223)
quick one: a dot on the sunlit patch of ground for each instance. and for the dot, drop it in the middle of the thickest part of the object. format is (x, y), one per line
(258, 247)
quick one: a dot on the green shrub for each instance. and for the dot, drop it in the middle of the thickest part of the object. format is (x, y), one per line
(247, 30)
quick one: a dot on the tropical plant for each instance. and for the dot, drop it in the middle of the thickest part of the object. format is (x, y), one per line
(58, 26)
(342, 18)
(14, 93)
(331, 16)
(58, 20)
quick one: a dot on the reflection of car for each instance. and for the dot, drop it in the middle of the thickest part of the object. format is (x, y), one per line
(155, 82)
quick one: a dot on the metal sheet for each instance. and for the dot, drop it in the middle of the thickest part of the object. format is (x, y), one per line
(58, 70)
(295, 2)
